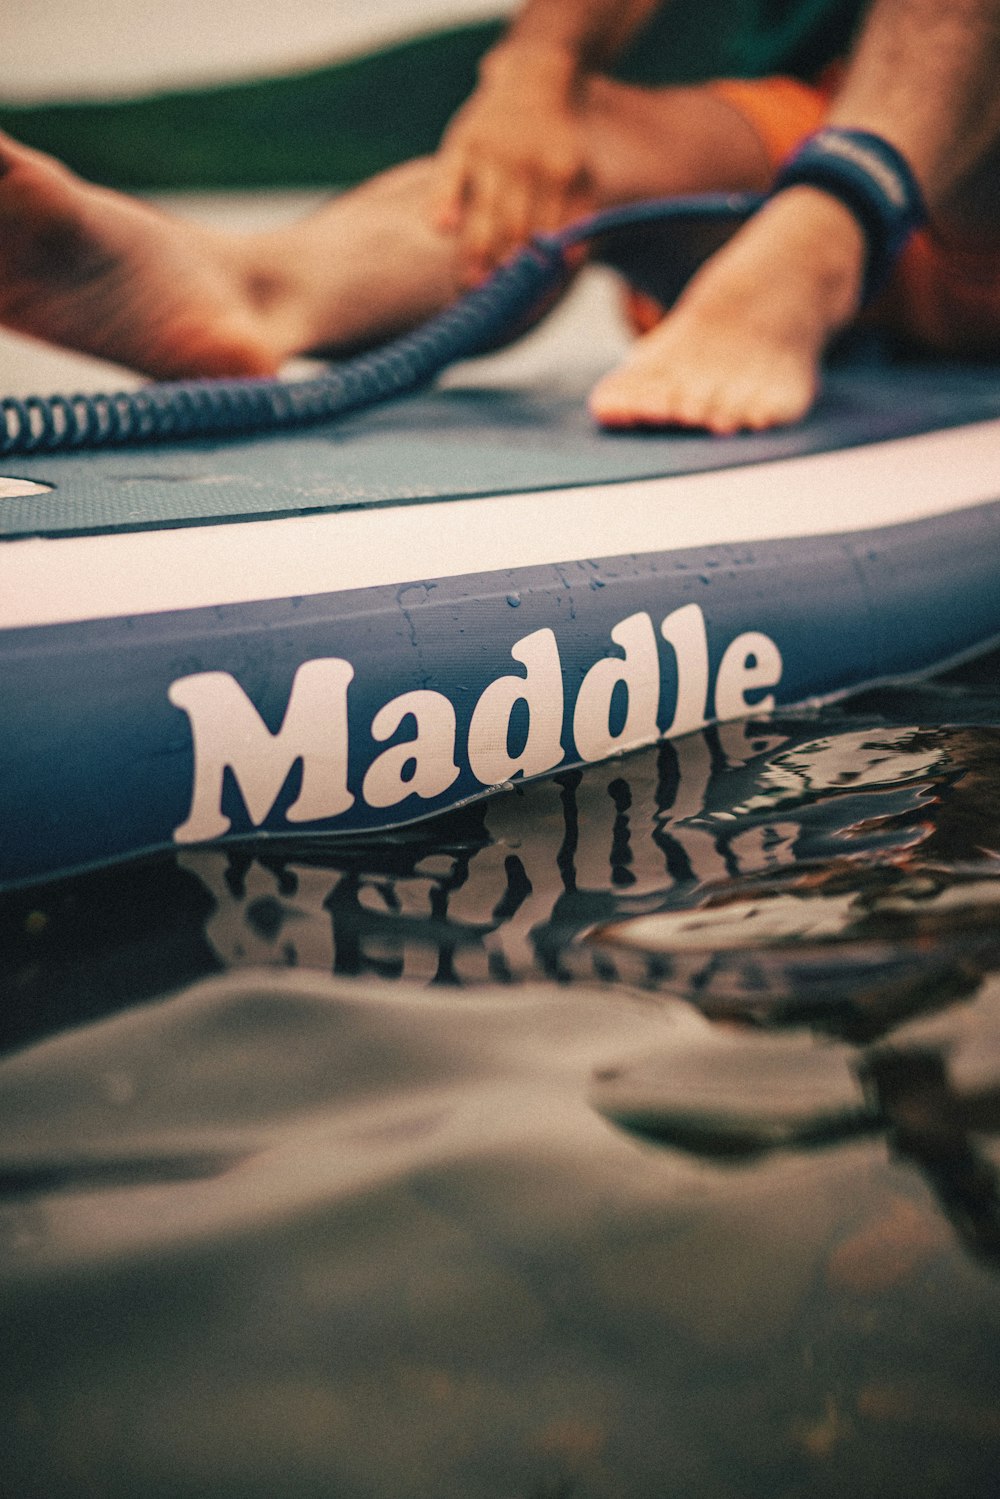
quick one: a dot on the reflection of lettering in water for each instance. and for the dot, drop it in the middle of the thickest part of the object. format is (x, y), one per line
(838, 761)
(536, 867)
(706, 842)
(699, 853)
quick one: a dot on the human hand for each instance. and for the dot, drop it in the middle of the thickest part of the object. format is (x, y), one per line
(513, 161)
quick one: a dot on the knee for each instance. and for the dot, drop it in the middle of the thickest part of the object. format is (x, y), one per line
(614, 129)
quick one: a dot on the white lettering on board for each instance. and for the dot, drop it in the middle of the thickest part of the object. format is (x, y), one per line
(229, 732)
(639, 673)
(684, 629)
(431, 751)
(541, 688)
(751, 661)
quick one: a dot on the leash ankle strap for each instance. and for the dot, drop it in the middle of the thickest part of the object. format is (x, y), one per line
(872, 179)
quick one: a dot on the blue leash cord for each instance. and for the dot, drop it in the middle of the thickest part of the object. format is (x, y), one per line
(867, 173)
(175, 411)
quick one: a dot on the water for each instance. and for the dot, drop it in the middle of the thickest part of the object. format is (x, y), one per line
(634, 1134)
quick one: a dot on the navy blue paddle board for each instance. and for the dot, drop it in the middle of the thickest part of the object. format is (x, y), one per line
(353, 626)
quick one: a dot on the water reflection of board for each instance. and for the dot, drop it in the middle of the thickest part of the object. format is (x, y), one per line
(351, 628)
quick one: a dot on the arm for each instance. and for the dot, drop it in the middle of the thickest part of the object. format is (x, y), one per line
(513, 161)
(924, 75)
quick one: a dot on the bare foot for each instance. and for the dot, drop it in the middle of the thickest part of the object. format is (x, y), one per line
(741, 349)
(101, 273)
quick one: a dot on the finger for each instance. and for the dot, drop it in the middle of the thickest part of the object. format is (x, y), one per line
(560, 205)
(482, 228)
(552, 209)
(448, 196)
(515, 219)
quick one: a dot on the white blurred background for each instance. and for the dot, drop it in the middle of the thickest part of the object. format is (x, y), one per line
(102, 48)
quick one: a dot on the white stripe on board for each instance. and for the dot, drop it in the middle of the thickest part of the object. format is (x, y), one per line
(57, 581)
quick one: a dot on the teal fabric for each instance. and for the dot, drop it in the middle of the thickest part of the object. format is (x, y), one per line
(742, 38)
(794, 36)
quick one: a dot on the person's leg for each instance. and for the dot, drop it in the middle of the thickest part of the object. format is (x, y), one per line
(742, 346)
(108, 275)
(648, 143)
(369, 264)
(945, 296)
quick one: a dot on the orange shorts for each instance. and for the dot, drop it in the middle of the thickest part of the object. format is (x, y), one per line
(944, 298)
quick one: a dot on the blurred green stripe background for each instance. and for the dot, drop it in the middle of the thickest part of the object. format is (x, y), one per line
(334, 125)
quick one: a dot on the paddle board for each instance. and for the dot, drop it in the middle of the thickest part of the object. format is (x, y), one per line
(351, 627)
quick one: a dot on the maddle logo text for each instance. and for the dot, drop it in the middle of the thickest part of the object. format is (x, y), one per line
(616, 708)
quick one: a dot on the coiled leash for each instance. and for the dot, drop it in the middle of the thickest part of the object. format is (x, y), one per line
(657, 244)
